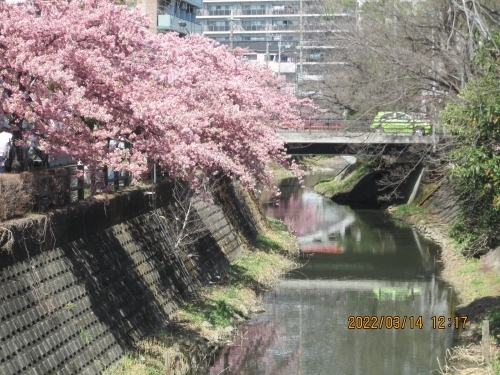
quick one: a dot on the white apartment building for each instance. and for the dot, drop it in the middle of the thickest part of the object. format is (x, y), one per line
(290, 34)
(172, 15)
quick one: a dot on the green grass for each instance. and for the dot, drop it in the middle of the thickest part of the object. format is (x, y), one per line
(331, 187)
(267, 244)
(218, 312)
(495, 366)
(470, 267)
(408, 209)
(276, 224)
(477, 282)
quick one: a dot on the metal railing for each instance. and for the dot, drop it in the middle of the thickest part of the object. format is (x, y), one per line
(217, 28)
(62, 185)
(355, 126)
(219, 12)
(253, 12)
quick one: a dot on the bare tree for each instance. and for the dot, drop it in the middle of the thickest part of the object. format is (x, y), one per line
(185, 226)
(391, 55)
(410, 56)
(182, 224)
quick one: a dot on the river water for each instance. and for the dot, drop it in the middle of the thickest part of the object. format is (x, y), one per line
(360, 269)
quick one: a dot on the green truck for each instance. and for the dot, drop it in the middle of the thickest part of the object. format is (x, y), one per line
(399, 122)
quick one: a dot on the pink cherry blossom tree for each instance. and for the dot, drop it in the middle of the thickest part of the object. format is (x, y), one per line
(86, 72)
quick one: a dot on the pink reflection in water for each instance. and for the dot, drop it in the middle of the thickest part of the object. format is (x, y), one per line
(330, 248)
(253, 352)
(300, 217)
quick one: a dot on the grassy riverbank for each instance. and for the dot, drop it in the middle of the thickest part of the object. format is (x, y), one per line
(341, 183)
(346, 179)
(200, 327)
(477, 288)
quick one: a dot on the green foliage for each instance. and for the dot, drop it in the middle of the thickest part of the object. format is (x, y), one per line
(475, 121)
(69, 306)
(471, 267)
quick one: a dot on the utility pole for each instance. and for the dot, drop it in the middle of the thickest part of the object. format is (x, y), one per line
(301, 27)
(231, 28)
(267, 42)
(279, 55)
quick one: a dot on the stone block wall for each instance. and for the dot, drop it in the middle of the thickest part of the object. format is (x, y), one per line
(81, 286)
(445, 203)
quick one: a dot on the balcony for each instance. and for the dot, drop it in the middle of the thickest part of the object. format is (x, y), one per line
(168, 22)
(217, 28)
(217, 12)
(253, 12)
(195, 3)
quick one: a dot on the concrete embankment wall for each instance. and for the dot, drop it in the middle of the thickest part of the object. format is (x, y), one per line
(82, 285)
(445, 203)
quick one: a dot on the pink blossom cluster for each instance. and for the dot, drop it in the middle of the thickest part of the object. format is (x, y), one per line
(85, 72)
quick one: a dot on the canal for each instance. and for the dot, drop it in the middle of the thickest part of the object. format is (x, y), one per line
(366, 301)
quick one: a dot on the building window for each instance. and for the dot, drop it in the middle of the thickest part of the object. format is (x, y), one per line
(251, 57)
(218, 26)
(285, 25)
(253, 38)
(254, 9)
(219, 10)
(285, 9)
(165, 7)
(253, 25)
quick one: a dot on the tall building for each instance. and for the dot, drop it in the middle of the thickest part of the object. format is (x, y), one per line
(172, 15)
(294, 36)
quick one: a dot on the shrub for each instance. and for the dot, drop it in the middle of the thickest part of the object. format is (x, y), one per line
(16, 199)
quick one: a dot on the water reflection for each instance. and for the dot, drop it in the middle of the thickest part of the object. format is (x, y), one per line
(362, 264)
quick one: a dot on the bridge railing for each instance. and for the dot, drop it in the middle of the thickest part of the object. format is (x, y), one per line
(321, 125)
(350, 126)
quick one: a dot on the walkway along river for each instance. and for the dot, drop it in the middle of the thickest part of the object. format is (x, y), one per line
(359, 270)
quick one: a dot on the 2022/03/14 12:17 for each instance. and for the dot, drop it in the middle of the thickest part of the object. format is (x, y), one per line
(400, 322)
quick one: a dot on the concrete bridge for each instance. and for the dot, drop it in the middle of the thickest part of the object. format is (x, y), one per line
(350, 142)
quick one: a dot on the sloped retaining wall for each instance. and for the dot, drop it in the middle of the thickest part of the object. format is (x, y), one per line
(84, 284)
(445, 203)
